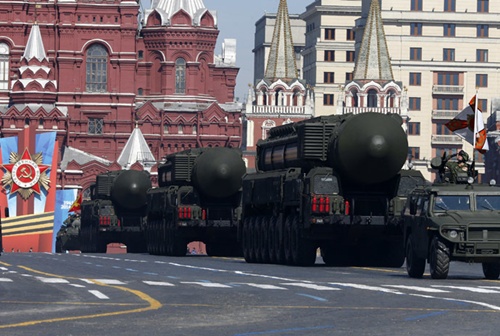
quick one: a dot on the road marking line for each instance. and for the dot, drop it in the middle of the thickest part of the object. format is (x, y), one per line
(52, 280)
(5, 280)
(159, 283)
(317, 298)
(207, 284)
(418, 289)
(98, 294)
(310, 286)
(370, 288)
(263, 286)
(77, 286)
(104, 281)
(469, 289)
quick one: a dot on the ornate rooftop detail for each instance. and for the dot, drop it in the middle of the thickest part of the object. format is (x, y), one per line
(281, 63)
(168, 8)
(34, 46)
(373, 60)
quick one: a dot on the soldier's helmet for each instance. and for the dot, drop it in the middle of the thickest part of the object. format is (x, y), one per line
(465, 156)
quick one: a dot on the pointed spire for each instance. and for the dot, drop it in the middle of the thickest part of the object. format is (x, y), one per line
(373, 60)
(136, 150)
(34, 46)
(281, 63)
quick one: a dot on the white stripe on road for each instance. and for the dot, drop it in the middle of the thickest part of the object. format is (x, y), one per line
(52, 280)
(158, 283)
(419, 289)
(207, 284)
(104, 281)
(5, 280)
(370, 288)
(310, 286)
(470, 289)
(263, 286)
(98, 294)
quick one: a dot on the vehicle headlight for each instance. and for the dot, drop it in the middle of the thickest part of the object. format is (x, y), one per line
(453, 234)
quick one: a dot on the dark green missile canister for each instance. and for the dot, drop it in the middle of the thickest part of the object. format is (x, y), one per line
(215, 172)
(129, 189)
(366, 148)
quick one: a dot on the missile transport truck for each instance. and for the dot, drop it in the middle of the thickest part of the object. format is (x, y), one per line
(333, 182)
(198, 199)
(116, 212)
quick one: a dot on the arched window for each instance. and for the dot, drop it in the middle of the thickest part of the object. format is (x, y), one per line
(97, 69)
(180, 129)
(140, 91)
(354, 102)
(279, 98)
(180, 76)
(4, 66)
(372, 98)
(165, 128)
(266, 126)
(26, 122)
(264, 97)
(296, 95)
(195, 129)
(391, 98)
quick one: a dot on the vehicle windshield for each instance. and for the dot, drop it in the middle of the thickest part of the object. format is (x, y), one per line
(451, 202)
(107, 210)
(488, 202)
(325, 185)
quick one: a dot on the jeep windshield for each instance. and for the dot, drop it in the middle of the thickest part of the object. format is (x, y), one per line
(488, 202)
(451, 202)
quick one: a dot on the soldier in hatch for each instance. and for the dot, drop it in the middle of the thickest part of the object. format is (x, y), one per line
(460, 166)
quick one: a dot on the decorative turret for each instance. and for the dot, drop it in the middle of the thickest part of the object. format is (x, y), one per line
(34, 83)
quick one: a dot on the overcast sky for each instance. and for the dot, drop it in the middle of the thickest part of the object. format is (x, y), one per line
(236, 20)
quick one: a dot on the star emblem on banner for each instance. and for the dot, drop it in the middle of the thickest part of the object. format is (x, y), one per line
(26, 174)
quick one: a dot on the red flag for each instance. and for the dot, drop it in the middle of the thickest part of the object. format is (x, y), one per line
(76, 206)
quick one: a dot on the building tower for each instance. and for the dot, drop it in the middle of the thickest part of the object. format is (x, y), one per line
(280, 97)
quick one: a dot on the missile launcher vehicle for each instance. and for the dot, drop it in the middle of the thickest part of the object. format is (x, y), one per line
(334, 182)
(198, 199)
(116, 212)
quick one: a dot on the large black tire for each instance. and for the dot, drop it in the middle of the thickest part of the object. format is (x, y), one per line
(245, 240)
(264, 241)
(271, 240)
(303, 251)
(439, 259)
(415, 266)
(491, 270)
(287, 234)
(279, 240)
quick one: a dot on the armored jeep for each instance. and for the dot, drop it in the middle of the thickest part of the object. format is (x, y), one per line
(452, 222)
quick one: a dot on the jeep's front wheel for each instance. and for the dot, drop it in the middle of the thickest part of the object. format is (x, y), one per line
(415, 266)
(439, 259)
(491, 271)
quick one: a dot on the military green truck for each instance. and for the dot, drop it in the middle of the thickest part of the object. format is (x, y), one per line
(446, 222)
(67, 237)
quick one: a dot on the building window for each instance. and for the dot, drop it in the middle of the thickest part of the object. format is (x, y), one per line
(413, 128)
(416, 54)
(96, 125)
(481, 80)
(415, 29)
(329, 34)
(165, 128)
(482, 30)
(180, 76)
(329, 55)
(328, 100)
(483, 6)
(180, 129)
(4, 66)
(415, 78)
(140, 91)
(350, 35)
(482, 105)
(414, 103)
(140, 54)
(482, 55)
(441, 129)
(372, 99)
(449, 5)
(448, 78)
(195, 129)
(448, 55)
(266, 126)
(329, 77)
(97, 69)
(416, 5)
(349, 76)
(349, 56)
(449, 29)
(447, 104)
(414, 153)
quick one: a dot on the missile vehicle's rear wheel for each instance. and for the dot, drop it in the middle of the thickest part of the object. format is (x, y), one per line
(280, 248)
(303, 251)
(271, 239)
(287, 234)
(415, 266)
(439, 259)
(491, 270)
(264, 241)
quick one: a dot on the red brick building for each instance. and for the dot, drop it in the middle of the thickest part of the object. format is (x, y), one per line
(93, 71)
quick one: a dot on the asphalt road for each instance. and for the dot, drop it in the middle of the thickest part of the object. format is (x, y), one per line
(139, 294)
